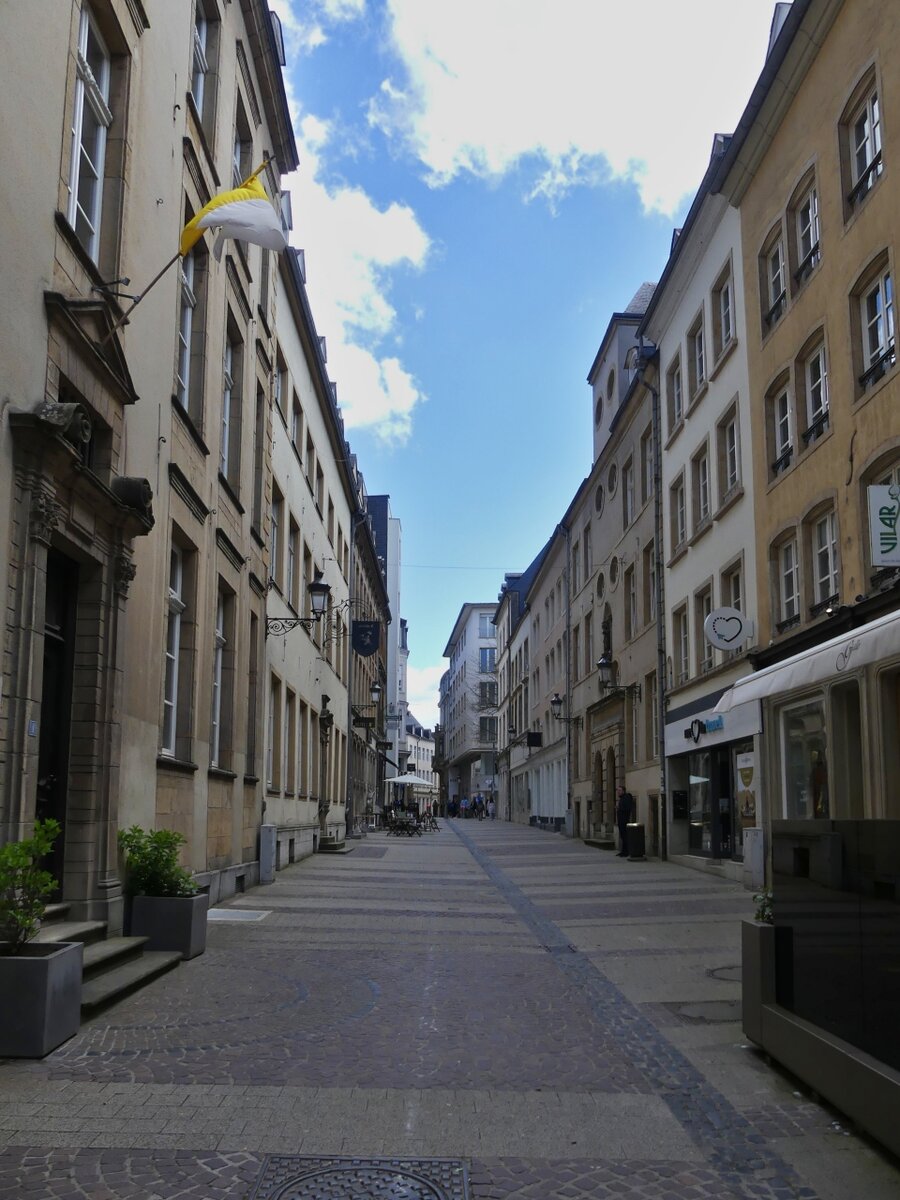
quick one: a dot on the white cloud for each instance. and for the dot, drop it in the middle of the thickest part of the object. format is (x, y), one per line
(423, 693)
(352, 250)
(577, 89)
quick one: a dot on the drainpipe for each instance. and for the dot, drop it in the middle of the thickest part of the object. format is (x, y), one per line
(647, 354)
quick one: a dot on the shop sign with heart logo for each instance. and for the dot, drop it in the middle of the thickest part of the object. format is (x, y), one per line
(726, 628)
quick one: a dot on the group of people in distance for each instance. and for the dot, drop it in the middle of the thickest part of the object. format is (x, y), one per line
(476, 807)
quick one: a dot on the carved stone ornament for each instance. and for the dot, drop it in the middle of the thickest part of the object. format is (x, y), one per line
(71, 420)
(125, 571)
(46, 515)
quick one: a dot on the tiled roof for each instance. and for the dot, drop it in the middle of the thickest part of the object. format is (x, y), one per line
(641, 299)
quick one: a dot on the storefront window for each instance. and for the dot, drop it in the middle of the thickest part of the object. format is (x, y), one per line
(804, 761)
(700, 838)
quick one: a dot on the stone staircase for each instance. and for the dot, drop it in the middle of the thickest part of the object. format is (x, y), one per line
(113, 966)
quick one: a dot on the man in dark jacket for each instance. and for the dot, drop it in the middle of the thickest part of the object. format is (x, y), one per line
(625, 814)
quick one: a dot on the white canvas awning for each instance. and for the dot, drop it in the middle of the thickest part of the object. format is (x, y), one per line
(413, 779)
(843, 655)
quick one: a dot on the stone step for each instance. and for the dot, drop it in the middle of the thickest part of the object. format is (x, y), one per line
(119, 981)
(98, 956)
(72, 931)
(55, 912)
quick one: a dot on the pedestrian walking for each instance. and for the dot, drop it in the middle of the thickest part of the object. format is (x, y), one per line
(491, 808)
(625, 814)
(479, 807)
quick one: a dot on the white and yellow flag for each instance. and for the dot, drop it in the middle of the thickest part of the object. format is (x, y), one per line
(245, 213)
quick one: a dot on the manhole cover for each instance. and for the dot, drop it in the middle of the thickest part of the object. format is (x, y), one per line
(237, 914)
(294, 1177)
(708, 1012)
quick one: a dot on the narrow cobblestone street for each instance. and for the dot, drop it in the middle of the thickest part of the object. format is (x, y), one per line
(502, 1012)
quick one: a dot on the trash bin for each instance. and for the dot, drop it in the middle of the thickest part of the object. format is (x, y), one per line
(635, 837)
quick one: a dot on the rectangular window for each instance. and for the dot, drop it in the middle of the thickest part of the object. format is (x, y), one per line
(242, 155)
(815, 380)
(678, 515)
(630, 605)
(878, 329)
(789, 582)
(702, 609)
(647, 465)
(729, 455)
(865, 149)
(628, 493)
(176, 605)
(185, 330)
(782, 417)
(808, 253)
(275, 537)
(273, 741)
(723, 312)
(696, 356)
(487, 694)
(652, 715)
(252, 696)
(190, 363)
(91, 118)
(293, 569)
(805, 782)
(487, 730)
(280, 385)
(487, 658)
(230, 449)
(674, 396)
(825, 557)
(701, 488)
(290, 741)
(219, 643)
(777, 293)
(259, 458)
(649, 574)
(297, 425)
(682, 645)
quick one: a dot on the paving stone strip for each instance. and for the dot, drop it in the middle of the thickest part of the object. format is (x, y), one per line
(735, 1150)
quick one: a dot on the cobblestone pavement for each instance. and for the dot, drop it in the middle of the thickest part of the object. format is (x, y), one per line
(485, 1012)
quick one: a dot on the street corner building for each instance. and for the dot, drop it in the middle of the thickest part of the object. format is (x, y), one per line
(175, 483)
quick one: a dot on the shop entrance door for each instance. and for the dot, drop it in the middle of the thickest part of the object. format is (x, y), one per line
(56, 704)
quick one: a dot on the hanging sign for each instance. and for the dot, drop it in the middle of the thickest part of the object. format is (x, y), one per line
(366, 637)
(726, 628)
(884, 513)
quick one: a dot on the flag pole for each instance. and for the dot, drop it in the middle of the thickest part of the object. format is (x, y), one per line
(128, 311)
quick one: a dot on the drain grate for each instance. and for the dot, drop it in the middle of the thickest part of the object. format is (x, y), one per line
(295, 1177)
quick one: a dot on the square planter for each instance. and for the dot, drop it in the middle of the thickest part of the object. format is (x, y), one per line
(758, 942)
(40, 998)
(171, 922)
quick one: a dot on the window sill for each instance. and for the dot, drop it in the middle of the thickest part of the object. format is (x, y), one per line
(729, 500)
(181, 765)
(230, 493)
(697, 397)
(702, 529)
(252, 780)
(257, 537)
(677, 554)
(864, 396)
(74, 242)
(188, 422)
(724, 354)
(675, 432)
(220, 773)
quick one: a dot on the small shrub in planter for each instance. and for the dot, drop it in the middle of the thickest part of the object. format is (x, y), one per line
(166, 905)
(40, 983)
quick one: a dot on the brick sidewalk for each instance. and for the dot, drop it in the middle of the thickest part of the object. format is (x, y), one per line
(490, 1011)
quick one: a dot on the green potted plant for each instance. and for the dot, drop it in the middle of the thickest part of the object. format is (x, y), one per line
(166, 905)
(40, 982)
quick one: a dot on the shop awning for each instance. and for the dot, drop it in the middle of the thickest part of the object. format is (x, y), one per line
(843, 655)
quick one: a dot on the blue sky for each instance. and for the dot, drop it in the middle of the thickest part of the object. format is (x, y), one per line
(481, 185)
